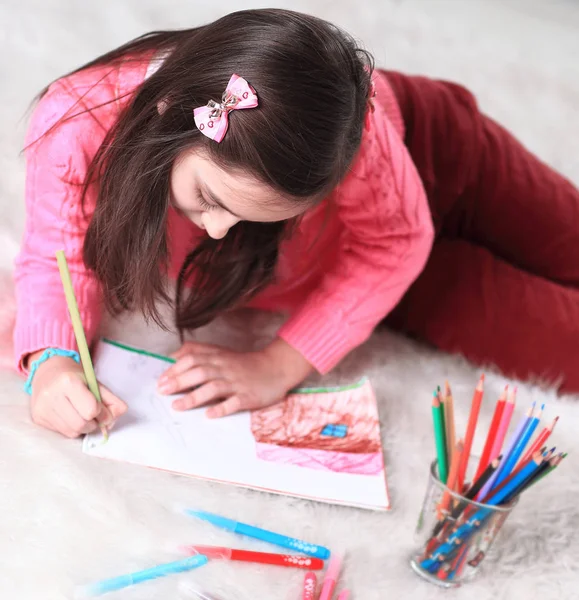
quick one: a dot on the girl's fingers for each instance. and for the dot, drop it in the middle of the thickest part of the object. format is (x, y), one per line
(81, 398)
(114, 406)
(182, 365)
(58, 424)
(191, 378)
(227, 407)
(75, 425)
(210, 392)
(194, 348)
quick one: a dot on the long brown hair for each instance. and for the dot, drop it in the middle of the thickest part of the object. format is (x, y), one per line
(312, 81)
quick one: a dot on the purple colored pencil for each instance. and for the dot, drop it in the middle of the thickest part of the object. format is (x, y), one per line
(510, 446)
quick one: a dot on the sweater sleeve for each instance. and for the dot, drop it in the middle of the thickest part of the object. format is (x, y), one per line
(56, 165)
(388, 236)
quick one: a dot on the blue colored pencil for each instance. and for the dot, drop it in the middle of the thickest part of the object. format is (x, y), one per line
(521, 444)
(499, 475)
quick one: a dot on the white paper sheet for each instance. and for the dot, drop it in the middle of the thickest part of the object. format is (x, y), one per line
(152, 434)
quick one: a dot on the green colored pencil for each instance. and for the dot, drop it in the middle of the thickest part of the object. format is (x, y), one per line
(440, 438)
(78, 329)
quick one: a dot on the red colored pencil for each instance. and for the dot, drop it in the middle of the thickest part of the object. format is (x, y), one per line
(264, 558)
(539, 442)
(485, 458)
(471, 427)
(504, 424)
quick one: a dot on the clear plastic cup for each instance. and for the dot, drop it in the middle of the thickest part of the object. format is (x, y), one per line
(454, 534)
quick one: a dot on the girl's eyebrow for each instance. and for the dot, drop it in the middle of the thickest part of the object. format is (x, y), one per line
(219, 202)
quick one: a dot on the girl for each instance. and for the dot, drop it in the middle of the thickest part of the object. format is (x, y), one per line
(260, 161)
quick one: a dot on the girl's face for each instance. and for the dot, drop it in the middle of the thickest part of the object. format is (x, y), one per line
(215, 200)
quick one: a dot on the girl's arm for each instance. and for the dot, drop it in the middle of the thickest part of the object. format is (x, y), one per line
(383, 206)
(56, 166)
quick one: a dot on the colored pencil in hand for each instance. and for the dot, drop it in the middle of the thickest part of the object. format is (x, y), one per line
(485, 458)
(78, 329)
(541, 439)
(439, 438)
(449, 422)
(470, 431)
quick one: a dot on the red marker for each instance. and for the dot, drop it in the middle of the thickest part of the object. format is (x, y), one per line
(264, 558)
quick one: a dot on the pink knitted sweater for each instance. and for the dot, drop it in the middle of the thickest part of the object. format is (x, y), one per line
(347, 265)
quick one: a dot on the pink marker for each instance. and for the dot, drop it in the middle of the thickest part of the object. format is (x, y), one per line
(310, 585)
(331, 578)
(345, 595)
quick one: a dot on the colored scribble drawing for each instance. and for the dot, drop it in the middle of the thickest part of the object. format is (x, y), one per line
(335, 429)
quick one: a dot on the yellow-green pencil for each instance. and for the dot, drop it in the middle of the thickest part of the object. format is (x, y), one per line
(78, 329)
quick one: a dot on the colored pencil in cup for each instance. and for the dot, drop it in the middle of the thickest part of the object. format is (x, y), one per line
(504, 424)
(553, 464)
(549, 462)
(485, 458)
(538, 443)
(449, 422)
(470, 430)
(483, 478)
(439, 438)
(532, 423)
(78, 329)
(451, 481)
(515, 447)
(499, 474)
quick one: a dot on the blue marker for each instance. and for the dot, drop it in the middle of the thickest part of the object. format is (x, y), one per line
(122, 581)
(261, 534)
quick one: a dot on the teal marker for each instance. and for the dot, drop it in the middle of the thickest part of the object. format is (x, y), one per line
(122, 581)
(276, 539)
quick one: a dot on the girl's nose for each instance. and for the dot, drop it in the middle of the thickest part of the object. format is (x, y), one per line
(218, 223)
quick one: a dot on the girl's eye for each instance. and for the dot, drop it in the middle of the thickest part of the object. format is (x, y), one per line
(204, 205)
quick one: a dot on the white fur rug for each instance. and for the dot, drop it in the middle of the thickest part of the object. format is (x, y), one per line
(66, 519)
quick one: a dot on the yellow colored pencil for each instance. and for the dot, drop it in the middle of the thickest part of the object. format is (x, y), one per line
(78, 329)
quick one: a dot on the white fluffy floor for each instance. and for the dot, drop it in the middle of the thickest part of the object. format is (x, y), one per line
(66, 519)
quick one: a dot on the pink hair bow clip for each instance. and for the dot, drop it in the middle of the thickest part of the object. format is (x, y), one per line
(212, 119)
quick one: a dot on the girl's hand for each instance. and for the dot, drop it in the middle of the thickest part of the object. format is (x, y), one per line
(62, 402)
(239, 381)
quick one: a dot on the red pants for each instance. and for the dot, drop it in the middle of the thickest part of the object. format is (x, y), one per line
(501, 286)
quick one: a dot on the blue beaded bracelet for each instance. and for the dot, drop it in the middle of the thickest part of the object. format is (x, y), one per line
(48, 353)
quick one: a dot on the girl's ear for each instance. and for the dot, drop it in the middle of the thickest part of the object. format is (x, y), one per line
(162, 106)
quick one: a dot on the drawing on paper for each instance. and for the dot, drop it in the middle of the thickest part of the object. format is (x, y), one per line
(323, 445)
(333, 429)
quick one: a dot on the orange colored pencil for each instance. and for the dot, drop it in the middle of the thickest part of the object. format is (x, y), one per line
(449, 421)
(470, 430)
(539, 442)
(485, 458)
(451, 481)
